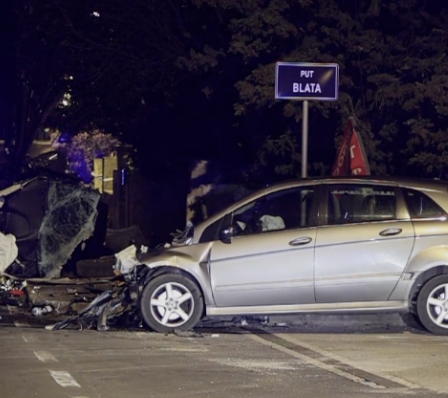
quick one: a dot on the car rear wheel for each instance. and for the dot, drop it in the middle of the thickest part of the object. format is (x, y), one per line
(432, 305)
(171, 301)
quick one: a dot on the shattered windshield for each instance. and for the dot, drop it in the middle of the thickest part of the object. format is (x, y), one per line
(70, 219)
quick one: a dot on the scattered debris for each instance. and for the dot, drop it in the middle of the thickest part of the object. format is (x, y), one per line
(186, 333)
(38, 311)
(8, 251)
(12, 292)
(184, 237)
(117, 306)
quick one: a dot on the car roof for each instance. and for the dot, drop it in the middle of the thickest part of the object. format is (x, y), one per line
(418, 183)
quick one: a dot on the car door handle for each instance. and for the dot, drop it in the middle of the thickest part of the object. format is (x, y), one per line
(303, 240)
(390, 231)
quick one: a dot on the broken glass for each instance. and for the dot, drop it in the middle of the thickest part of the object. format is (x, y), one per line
(70, 220)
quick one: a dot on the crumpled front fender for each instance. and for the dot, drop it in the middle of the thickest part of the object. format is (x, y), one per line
(193, 260)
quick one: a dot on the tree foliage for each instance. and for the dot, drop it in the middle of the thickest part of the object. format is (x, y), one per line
(393, 79)
(83, 148)
(114, 62)
(37, 77)
(184, 79)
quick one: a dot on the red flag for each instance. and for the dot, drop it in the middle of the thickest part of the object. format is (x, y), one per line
(351, 157)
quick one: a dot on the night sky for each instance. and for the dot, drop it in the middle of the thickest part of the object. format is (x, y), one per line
(5, 62)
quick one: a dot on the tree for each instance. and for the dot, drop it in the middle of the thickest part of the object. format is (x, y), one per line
(392, 59)
(81, 65)
(83, 148)
(183, 79)
(38, 78)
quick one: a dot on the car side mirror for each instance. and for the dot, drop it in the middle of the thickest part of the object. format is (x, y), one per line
(226, 234)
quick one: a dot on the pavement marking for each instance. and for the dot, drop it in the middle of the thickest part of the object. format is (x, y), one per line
(29, 338)
(185, 349)
(349, 362)
(317, 363)
(64, 379)
(45, 356)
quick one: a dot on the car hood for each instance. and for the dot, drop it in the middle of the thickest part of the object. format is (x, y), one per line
(178, 256)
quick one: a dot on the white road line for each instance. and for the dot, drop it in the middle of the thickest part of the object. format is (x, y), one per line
(347, 361)
(29, 338)
(64, 379)
(185, 349)
(317, 363)
(45, 356)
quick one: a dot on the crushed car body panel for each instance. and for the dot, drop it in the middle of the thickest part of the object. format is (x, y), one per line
(49, 218)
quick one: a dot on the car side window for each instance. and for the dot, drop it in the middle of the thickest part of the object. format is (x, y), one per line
(421, 205)
(354, 203)
(286, 209)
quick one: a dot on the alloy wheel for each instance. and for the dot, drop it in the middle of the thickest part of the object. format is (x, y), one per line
(172, 304)
(437, 305)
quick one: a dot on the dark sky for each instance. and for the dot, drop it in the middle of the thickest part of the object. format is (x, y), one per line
(5, 61)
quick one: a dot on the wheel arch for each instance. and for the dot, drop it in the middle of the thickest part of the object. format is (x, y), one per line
(421, 280)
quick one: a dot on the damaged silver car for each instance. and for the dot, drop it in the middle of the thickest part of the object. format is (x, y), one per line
(329, 245)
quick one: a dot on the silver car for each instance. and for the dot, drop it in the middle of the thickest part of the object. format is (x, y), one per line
(327, 245)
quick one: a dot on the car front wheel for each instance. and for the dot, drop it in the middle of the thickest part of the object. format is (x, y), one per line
(171, 301)
(432, 305)
(412, 320)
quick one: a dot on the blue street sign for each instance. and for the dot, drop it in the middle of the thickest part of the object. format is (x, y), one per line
(306, 81)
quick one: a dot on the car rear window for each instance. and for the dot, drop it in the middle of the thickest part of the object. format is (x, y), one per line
(421, 205)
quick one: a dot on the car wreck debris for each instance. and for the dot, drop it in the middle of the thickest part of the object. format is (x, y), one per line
(47, 219)
(70, 220)
(12, 292)
(38, 311)
(113, 307)
(8, 251)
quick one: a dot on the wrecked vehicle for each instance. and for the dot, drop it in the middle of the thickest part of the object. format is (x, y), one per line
(56, 252)
(328, 245)
(49, 218)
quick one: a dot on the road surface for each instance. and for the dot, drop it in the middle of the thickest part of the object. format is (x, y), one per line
(222, 362)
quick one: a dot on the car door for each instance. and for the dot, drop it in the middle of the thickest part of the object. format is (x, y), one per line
(363, 245)
(270, 258)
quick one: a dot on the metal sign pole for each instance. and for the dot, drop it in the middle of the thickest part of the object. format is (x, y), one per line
(304, 138)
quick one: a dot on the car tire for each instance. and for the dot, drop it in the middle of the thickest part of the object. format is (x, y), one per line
(432, 305)
(412, 320)
(171, 302)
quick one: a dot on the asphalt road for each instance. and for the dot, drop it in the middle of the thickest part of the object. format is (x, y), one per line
(218, 361)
